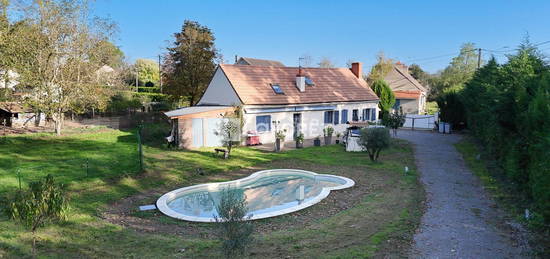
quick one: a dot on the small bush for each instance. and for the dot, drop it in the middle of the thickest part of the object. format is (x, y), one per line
(235, 231)
(374, 140)
(43, 203)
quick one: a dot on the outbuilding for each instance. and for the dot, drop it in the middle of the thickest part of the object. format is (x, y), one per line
(16, 115)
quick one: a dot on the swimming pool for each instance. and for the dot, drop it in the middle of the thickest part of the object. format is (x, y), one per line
(269, 193)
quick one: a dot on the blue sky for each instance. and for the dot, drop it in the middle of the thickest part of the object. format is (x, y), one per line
(409, 31)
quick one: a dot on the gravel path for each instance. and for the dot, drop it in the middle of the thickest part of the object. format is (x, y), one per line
(460, 221)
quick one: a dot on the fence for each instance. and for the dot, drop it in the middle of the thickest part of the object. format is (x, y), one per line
(426, 122)
(74, 170)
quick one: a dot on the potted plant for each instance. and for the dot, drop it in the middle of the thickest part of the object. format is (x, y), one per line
(317, 141)
(327, 132)
(299, 140)
(338, 137)
(279, 139)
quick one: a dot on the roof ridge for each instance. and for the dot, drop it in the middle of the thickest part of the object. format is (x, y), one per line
(410, 78)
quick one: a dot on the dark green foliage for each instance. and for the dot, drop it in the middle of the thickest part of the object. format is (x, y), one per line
(374, 140)
(456, 74)
(384, 92)
(507, 107)
(235, 231)
(452, 109)
(190, 62)
(419, 74)
(394, 120)
(44, 202)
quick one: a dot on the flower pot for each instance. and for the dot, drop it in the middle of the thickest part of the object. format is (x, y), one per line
(279, 144)
(299, 144)
(317, 142)
(328, 140)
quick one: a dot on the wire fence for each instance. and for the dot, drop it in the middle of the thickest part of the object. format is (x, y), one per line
(96, 166)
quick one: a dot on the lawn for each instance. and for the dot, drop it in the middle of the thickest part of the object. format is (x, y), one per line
(100, 168)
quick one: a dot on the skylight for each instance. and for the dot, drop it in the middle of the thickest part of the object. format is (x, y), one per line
(277, 89)
(309, 82)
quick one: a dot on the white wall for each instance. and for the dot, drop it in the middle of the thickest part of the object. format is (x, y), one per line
(312, 121)
(420, 121)
(219, 91)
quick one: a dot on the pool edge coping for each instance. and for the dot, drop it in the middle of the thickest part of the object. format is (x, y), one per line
(162, 202)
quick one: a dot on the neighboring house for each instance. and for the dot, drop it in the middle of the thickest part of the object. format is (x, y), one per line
(409, 93)
(16, 115)
(258, 62)
(273, 98)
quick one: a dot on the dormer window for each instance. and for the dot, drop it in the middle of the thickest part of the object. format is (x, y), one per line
(309, 82)
(277, 89)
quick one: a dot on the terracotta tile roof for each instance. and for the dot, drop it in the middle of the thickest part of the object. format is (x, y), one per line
(13, 107)
(261, 62)
(253, 85)
(407, 94)
(401, 80)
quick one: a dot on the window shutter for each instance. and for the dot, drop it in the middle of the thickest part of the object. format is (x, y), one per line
(367, 114)
(373, 114)
(326, 117)
(344, 116)
(336, 117)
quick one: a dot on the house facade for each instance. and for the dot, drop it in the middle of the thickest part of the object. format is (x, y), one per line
(298, 100)
(410, 95)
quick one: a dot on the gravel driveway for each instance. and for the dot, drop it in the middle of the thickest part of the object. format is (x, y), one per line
(461, 220)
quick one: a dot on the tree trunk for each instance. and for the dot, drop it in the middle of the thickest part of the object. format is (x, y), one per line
(58, 122)
(93, 112)
(33, 244)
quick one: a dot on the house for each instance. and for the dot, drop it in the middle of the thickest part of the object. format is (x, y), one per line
(258, 62)
(273, 98)
(409, 93)
(15, 115)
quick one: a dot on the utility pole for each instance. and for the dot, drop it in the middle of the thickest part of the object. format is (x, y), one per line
(478, 58)
(160, 76)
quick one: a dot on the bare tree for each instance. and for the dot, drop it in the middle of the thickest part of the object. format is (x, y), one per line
(326, 63)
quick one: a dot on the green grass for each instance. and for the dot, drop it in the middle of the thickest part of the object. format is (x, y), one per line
(112, 174)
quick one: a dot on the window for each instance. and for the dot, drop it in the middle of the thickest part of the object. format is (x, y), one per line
(329, 115)
(309, 82)
(336, 117)
(373, 115)
(355, 115)
(397, 104)
(277, 89)
(344, 116)
(366, 114)
(263, 123)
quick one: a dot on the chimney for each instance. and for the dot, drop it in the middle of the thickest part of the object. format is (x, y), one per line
(356, 69)
(402, 66)
(300, 80)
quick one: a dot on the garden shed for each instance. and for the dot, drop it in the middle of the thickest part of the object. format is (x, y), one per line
(196, 126)
(16, 115)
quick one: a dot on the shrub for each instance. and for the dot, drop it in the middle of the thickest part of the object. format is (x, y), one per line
(44, 202)
(394, 120)
(229, 130)
(235, 231)
(328, 131)
(374, 140)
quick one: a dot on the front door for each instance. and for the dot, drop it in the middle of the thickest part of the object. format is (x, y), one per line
(297, 124)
